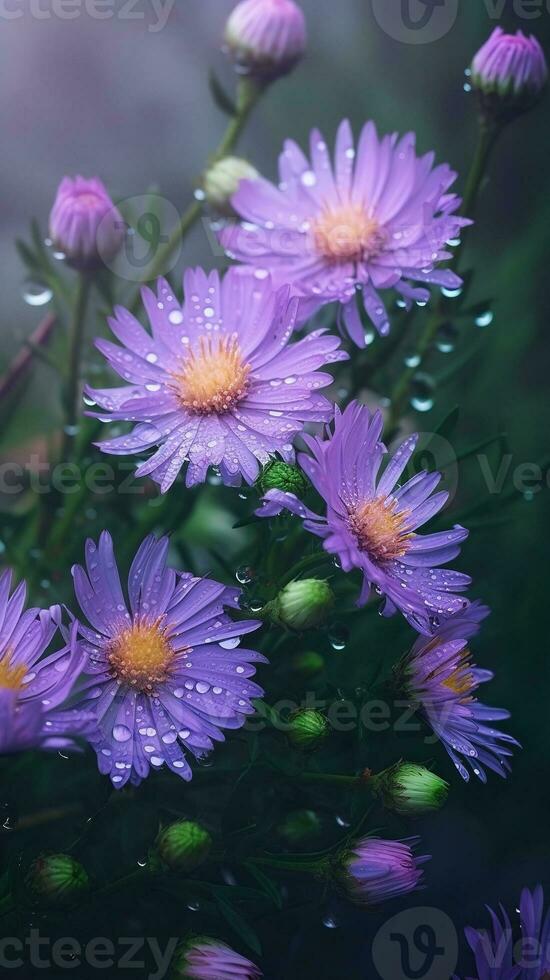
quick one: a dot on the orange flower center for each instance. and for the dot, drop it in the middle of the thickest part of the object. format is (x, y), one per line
(380, 529)
(141, 656)
(11, 678)
(213, 379)
(347, 234)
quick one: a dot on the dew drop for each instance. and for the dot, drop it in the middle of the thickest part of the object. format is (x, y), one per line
(446, 338)
(338, 637)
(422, 394)
(37, 294)
(485, 319)
(121, 733)
(412, 360)
(245, 574)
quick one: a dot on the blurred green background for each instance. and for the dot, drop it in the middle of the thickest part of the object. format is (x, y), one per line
(134, 107)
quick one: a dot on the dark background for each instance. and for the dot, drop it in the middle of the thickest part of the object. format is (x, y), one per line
(114, 99)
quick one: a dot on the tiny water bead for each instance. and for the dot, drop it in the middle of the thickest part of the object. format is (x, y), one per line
(422, 393)
(484, 319)
(8, 816)
(338, 636)
(412, 360)
(446, 338)
(452, 293)
(245, 574)
(37, 294)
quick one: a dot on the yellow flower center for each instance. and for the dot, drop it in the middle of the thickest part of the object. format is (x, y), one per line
(141, 656)
(213, 379)
(461, 680)
(380, 529)
(11, 678)
(347, 234)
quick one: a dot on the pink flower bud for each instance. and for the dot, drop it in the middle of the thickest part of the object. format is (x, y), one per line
(266, 38)
(85, 224)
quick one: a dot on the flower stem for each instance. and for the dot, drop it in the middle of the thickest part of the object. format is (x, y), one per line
(488, 135)
(300, 866)
(332, 778)
(247, 97)
(305, 565)
(75, 356)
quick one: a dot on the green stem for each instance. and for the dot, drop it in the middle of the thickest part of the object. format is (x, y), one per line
(248, 95)
(488, 136)
(327, 777)
(75, 356)
(300, 866)
(305, 565)
(133, 879)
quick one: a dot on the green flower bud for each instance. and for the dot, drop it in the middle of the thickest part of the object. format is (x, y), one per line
(222, 180)
(410, 789)
(307, 728)
(302, 605)
(282, 476)
(307, 663)
(56, 879)
(299, 826)
(183, 846)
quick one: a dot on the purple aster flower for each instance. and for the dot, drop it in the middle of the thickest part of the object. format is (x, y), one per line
(439, 677)
(33, 688)
(381, 217)
(204, 958)
(371, 521)
(218, 383)
(84, 223)
(499, 956)
(266, 38)
(165, 671)
(376, 870)
(510, 73)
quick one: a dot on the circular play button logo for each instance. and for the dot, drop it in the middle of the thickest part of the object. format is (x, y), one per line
(415, 21)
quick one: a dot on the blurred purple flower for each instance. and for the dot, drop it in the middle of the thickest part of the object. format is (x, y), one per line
(439, 677)
(85, 224)
(379, 218)
(218, 383)
(499, 957)
(370, 521)
(203, 958)
(266, 38)
(165, 671)
(376, 870)
(33, 690)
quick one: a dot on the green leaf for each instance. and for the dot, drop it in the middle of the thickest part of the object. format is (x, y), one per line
(239, 924)
(266, 884)
(220, 96)
(27, 255)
